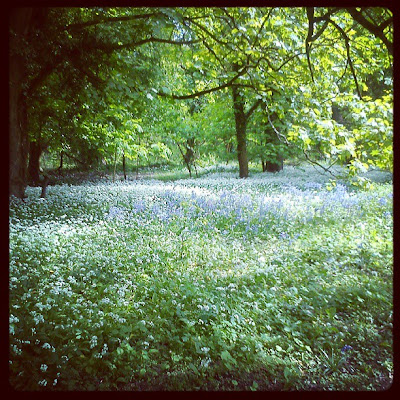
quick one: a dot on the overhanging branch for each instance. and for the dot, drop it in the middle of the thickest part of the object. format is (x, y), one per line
(347, 43)
(252, 109)
(313, 162)
(86, 24)
(376, 30)
(132, 45)
(203, 92)
(310, 16)
(311, 37)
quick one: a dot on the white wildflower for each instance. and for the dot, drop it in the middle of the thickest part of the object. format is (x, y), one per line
(93, 342)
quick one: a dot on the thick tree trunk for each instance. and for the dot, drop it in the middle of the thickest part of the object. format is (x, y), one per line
(240, 124)
(19, 19)
(35, 151)
(275, 166)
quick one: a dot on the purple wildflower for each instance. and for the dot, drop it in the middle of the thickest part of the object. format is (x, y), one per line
(346, 348)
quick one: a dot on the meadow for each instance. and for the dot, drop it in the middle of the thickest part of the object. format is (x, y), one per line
(277, 282)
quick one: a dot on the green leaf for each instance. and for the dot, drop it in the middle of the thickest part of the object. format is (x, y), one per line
(287, 373)
(331, 312)
(225, 355)
(193, 368)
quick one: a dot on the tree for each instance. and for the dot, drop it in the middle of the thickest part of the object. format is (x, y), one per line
(265, 51)
(75, 42)
(20, 21)
(80, 76)
(241, 120)
(226, 63)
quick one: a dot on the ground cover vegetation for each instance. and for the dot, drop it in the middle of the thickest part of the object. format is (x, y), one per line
(200, 198)
(207, 283)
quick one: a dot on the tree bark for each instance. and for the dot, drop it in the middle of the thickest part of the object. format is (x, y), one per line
(19, 19)
(186, 157)
(264, 165)
(45, 182)
(275, 166)
(240, 124)
(124, 165)
(115, 164)
(273, 163)
(61, 161)
(35, 151)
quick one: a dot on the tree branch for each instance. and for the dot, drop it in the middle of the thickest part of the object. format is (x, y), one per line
(347, 40)
(207, 32)
(132, 45)
(213, 53)
(310, 16)
(327, 19)
(377, 31)
(73, 158)
(82, 25)
(43, 74)
(327, 15)
(280, 137)
(203, 92)
(107, 48)
(385, 24)
(252, 109)
(313, 162)
(76, 62)
(257, 37)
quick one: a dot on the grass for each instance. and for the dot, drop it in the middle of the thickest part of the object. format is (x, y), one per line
(216, 283)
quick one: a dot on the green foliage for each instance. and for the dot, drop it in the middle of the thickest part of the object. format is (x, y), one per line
(276, 282)
(89, 81)
(273, 283)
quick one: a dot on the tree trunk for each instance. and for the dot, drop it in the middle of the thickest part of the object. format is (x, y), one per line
(188, 157)
(264, 165)
(19, 19)
(115, 165)
(188, 167)
(275, 166)
(45, 182)
(35, 151)
(271, 137)
(124, 165)
(229, 148)
(61, 161)
(240, 123)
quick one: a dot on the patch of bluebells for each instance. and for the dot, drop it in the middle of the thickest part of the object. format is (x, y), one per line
(116, 213)
(250, 214)
(346, 348)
